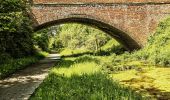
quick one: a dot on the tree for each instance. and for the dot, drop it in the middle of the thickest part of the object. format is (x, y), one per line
(81, 36)
(15, 29)
(45, 38)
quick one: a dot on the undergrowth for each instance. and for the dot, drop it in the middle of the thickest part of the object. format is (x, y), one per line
(81, 78)
(12, 65)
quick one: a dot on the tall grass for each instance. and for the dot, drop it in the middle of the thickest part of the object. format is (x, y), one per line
(81, 79)
(13, 65)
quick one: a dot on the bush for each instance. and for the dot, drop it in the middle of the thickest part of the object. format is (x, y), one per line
(15, 29)
(4, 58)
(157, 50)
(13, 65)
(112, 46)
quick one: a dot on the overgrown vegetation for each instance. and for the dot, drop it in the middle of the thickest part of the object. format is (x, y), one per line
(155, 53)
(88, 40)
(157, 50)
(80, 36)
(13, 65)
(81, 78)
(70, 39)
(15, 29)
(45, 39)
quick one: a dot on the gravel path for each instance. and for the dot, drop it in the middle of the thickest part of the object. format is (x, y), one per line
(22, 84)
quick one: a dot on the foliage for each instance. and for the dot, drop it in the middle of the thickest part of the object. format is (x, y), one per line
(112, 46)
(70, 39)
(13, 65)
(80, 36)
(81, 78)
(4, 57)
(157, 50)
(15, 29)
(45, 39)
(57, 45)
(12, 6)
(41, 54)
(80, 39)
(42, 40)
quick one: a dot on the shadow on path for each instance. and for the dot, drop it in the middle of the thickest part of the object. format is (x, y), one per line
(23, 83)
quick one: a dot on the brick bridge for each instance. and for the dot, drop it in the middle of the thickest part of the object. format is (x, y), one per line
(129, 21)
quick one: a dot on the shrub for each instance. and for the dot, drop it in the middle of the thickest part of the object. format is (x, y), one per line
(15, 29)
(4, 58)
(12, 65)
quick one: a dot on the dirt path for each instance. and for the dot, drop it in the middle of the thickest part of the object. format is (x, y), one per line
(22, 84)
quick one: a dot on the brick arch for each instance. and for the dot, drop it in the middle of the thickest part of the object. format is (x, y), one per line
(131, 22)
(122, 37)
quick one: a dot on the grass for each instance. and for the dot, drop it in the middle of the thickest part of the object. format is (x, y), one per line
(70, 52)
(112, 46)
(81, 78)
(13, 65)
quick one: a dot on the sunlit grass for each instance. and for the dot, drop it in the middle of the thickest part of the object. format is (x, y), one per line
(43, 53)
(81, 78)
(78, 69)
(68, 52)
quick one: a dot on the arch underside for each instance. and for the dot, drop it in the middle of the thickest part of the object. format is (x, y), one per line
(123, 38)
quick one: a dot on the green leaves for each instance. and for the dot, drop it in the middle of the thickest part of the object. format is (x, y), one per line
(10, 65)
(10, 21)
(15, 29)
(7, 6)
(13, 65)
(81, 36)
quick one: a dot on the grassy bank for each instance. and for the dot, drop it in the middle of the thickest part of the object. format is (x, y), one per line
(13, 65)
(81, 78)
